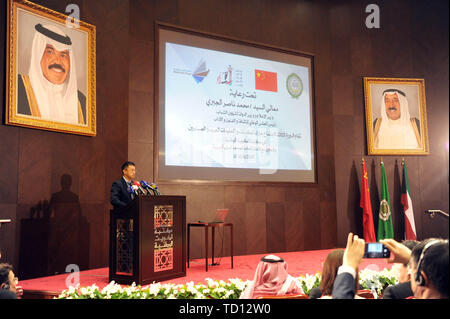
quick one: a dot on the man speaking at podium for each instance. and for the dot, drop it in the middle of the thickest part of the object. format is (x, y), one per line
(120, 196)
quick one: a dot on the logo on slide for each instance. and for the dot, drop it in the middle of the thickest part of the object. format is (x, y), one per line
(266, 81)
(226, 77)
(200, 72)
(294, 85)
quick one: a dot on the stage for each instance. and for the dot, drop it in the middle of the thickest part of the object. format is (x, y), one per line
(299, 263)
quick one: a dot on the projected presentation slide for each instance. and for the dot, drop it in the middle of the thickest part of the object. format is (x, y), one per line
(227, 110)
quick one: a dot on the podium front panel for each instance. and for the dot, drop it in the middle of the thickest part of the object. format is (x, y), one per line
(147, 240)
(124, 246)
(162, 250)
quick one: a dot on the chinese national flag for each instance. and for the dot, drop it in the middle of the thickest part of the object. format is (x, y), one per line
(368, 227)
(266, 81)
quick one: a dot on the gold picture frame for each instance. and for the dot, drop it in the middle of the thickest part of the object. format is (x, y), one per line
(51, 70)
(396, 118)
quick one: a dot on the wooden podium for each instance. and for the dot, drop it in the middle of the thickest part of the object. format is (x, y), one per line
(147, 240)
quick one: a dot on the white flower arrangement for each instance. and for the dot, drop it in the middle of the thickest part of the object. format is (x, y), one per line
(309, 282)
(378, 280)
(231, 289)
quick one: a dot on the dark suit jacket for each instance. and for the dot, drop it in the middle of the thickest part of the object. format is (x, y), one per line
(344, 286)
(7, 294)
(120, 197)
(399, 291)
(315, 293)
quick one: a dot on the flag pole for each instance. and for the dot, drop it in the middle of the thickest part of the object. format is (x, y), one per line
(381, 160)
(403, 161)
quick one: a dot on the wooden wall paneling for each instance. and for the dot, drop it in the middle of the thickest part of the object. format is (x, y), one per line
(314, 216)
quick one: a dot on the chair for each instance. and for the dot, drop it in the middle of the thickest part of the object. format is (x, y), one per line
(298, 296)
(365, 293)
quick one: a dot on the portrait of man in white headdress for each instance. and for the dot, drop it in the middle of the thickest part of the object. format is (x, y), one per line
(396, 129)
(51, 69)
(396, 117)
(49, 90)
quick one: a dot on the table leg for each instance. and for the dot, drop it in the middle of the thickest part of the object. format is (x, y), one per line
(231, 227)
(206, 247)
(213, 230)
(188, 243)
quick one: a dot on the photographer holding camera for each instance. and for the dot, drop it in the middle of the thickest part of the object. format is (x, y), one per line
(401, 290)
(428, 262)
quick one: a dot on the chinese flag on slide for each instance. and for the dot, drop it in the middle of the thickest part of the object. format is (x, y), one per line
(368, 227)
(266, 81)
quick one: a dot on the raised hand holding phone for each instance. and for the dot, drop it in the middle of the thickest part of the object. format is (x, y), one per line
(399, 252)
(354, 251)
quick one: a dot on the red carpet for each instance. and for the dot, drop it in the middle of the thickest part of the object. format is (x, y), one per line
(299, 263)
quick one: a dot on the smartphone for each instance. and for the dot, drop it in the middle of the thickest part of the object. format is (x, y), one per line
(376, 250)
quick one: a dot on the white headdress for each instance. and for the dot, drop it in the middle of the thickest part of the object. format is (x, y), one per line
(57, 102)
(396, 134)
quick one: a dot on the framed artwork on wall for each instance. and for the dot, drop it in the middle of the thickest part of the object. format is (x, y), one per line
(51, 70)
(396, 118)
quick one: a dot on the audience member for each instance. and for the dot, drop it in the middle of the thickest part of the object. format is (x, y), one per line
(428, 262)
(329, 272)
(429, 269)
(8, 282)
(403, 289)
(271, 278)
(344, 286)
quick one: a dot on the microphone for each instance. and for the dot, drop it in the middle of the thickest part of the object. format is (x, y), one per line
(151, 187)
(139, 187)
(147, 187)
(135, 189)
(130, 189)
(155, 188)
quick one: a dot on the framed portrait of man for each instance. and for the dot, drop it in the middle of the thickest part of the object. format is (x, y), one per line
(396, 118)
(51, 76)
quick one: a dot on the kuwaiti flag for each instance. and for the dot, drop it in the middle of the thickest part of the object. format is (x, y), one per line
(410, 227)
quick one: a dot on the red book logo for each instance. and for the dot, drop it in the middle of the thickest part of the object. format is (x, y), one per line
(266, 81)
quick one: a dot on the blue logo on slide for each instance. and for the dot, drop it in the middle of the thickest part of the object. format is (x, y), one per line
(200, 72)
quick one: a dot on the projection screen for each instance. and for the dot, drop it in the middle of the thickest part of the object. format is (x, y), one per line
(228, 110)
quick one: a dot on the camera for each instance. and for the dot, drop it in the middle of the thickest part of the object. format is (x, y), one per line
(376, 250)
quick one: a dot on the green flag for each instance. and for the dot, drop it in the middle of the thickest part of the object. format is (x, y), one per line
(385, 229)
